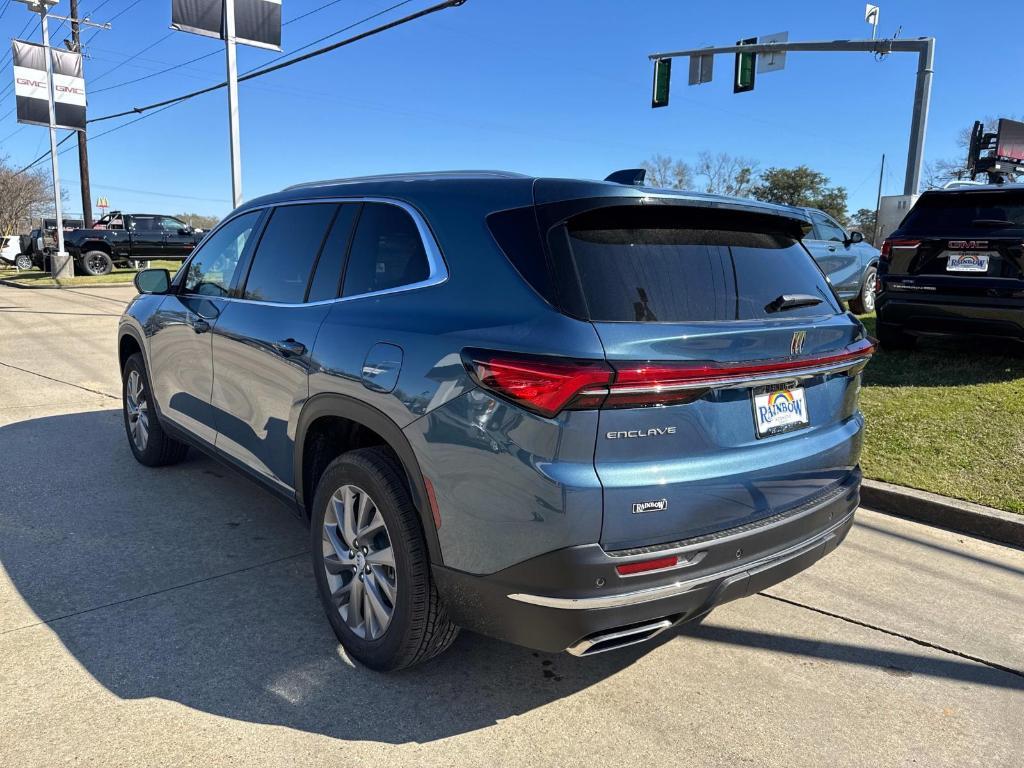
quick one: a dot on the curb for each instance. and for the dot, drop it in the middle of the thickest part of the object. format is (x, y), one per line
(944, 512)
(29, 287)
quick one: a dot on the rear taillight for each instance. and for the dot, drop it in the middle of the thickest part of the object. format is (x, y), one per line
(888, 245)
(547, 386)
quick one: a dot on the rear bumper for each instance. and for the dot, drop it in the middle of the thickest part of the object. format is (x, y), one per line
(938, 314)
(553, 602)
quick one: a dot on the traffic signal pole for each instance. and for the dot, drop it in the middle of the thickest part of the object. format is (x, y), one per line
(924, 47)
(232, 71)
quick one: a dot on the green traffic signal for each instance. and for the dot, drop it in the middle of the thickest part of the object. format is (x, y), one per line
(662, 75)
(746, 67)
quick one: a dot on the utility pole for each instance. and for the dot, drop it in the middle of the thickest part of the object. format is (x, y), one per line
(232, 66)
(878, 201)
(924, 47)
(83, 152)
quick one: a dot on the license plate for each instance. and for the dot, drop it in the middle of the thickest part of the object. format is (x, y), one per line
(968, 261)
(779, 410)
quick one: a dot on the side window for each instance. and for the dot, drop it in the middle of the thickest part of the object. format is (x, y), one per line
(144, 224)
(828, 229)
(171, 225)
(287, 251)
(387, 251)
(326, 283)
(210, 270)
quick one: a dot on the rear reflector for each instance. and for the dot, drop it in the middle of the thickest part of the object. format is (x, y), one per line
(643, 566)
(550, 385)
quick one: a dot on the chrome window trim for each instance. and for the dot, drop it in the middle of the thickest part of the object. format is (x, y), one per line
(435, 259)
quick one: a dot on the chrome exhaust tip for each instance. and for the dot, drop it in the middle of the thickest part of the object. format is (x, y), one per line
(618, 638)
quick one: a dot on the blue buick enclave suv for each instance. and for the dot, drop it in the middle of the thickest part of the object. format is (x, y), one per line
(568, 414)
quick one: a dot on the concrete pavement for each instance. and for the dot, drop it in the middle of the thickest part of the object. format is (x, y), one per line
(169, 617)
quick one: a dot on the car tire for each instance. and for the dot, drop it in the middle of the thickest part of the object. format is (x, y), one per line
(894, 339)
(96, 263)
(399, 619)
(149, 443)
(864, 303)
(23, 261)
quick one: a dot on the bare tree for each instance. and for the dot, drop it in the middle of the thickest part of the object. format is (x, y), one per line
(665, 173)
(23, 196)
(725, 174)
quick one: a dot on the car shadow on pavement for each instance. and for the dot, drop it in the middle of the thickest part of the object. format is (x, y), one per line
(192, 585)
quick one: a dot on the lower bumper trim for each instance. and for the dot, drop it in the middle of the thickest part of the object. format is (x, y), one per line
(680, 587)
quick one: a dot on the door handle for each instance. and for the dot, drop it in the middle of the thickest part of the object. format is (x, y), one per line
(832, 248)
(199, 325)
(290, 347)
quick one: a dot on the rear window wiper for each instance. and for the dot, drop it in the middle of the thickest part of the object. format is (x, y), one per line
(791, 301)
(994, 223)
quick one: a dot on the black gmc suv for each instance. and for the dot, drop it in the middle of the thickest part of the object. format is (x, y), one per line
(955, 266)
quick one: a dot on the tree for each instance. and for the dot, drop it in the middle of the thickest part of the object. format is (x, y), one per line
(803, 187)
(665, 173)
(724, 174)
(198, 220)
(864, 221)
(23, 197)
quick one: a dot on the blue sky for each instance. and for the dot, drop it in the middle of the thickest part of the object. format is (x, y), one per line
(560, 87)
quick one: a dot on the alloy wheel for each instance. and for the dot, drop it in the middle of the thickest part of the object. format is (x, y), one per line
(96, 264)
(360, 562)
(869, 296)
(136, 403)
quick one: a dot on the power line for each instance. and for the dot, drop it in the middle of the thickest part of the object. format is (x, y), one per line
(154, 109)
(266, 70)
(217, 53)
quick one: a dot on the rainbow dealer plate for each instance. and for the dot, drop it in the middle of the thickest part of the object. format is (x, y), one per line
(778, 410)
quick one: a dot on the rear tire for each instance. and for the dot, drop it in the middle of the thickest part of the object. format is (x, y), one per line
(864, 303)
(149, 443)
(350, 561)
(894, 339)
(96, 263)
(23, 261)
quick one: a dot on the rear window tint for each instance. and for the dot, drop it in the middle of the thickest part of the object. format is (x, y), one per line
(966, 214)
(682, 275)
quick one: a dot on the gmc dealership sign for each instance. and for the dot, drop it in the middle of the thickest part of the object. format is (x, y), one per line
(31, 86)
(257, 22)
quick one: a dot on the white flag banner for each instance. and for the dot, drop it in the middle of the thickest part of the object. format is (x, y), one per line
(257, 22)
(31, 86)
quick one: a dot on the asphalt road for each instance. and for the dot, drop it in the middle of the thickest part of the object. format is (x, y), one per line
(168, 617)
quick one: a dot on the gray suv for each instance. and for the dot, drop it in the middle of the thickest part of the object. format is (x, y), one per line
(567, 414)
(850, 263)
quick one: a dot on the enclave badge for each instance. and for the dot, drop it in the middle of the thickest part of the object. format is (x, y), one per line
(650, 506)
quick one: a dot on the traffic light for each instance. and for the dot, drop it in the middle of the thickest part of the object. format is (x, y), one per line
(746, 67)
(662, 75)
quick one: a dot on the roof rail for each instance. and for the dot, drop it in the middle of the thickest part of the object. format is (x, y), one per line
(632, 177)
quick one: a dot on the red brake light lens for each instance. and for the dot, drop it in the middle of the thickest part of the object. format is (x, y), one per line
(543, 386)
(888, 245)
(548, 386)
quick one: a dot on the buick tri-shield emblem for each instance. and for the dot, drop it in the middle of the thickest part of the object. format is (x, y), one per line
(796, 346)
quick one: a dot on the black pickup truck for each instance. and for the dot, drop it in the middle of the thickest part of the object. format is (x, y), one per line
(121, 238)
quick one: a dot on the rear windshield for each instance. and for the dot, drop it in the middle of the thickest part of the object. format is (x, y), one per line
(966, 214)
(671, 264)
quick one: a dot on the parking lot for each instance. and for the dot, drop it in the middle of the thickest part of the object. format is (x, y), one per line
(169, 617)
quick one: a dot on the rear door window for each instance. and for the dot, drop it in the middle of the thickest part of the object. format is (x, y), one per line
(638, 266)
(287, 251)
(387, 251)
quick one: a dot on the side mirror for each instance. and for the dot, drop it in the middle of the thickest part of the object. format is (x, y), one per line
(152, 281)
(184, 230)
(855, 237)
